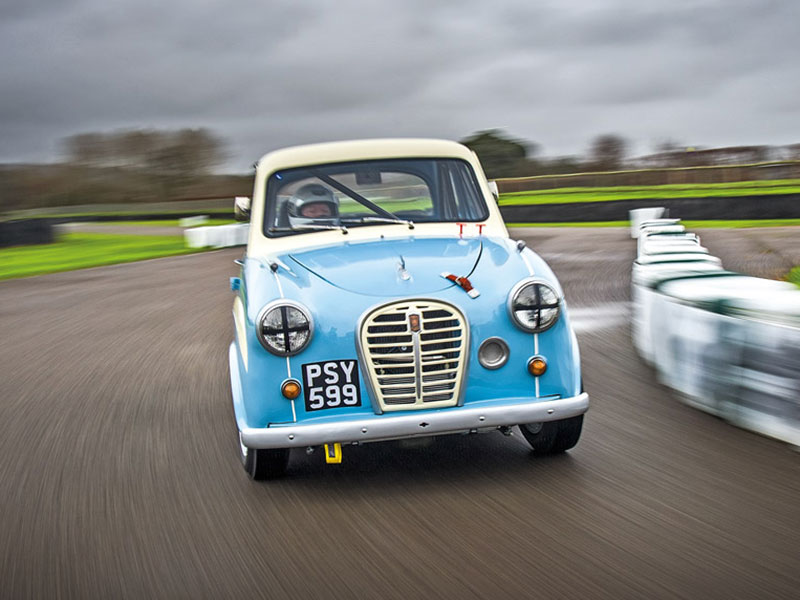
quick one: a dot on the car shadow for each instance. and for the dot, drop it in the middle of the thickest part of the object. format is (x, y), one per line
(440, 462)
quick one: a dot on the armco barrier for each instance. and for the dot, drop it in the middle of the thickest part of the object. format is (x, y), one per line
(728, 343)
(219, 236)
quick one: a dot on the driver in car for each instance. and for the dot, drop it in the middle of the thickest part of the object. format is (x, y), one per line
(310, 202)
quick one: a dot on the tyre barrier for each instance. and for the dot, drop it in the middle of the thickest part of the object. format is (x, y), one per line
(727, 343)
(26, 232)
(218, 236)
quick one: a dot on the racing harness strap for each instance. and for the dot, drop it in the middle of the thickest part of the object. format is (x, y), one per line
(464, 283)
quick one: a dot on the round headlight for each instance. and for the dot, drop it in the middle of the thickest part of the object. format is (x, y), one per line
(534, 305)
(284, 327)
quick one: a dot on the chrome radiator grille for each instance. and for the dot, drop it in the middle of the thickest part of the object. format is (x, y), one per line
(415, 354)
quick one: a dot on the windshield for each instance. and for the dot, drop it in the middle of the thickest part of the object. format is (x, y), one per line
(375, 192)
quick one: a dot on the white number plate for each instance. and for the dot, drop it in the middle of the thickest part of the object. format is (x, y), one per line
(331, 384)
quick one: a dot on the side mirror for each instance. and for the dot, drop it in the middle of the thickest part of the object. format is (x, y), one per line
(241, 208)
(494, 190)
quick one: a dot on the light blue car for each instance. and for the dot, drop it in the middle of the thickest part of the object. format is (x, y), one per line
(381, 298)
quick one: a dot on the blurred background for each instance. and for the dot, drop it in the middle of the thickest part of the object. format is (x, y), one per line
(127, 129)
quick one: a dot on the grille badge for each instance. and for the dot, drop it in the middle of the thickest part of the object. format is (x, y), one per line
(413, 321)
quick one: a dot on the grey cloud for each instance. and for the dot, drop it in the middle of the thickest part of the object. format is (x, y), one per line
(267, 76)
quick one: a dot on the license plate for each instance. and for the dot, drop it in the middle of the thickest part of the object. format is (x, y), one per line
(331, 384)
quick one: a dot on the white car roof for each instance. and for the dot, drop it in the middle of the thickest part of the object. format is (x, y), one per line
(330, 152)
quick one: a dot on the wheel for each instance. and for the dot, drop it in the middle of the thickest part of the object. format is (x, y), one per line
(553, 437)
(266, 463)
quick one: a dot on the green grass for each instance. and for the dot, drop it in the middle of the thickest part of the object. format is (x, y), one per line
(167, 223)
(759, 184)
(83, 250)
(348, 205)
(86, 216)
(666, 192)
(576, 224)
(722, 224)
(688, 224)
(794, 276)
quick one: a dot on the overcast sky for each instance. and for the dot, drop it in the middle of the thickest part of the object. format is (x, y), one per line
(268, 74)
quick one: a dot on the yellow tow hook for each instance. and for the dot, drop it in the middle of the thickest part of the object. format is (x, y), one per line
(333, 453)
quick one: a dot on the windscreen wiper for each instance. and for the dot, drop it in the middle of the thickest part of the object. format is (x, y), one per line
(365, 220)
(308, 227)
(352, 194)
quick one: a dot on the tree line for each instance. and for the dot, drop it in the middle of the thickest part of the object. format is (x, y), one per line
(153, 165)
(505, 156)
(182, 152)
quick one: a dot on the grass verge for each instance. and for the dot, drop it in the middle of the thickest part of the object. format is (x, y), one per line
(794, 276)
(688, 224)
(164, 223)
(576, 224)
(87, 216)
(665, 192)
(84, 250)
(741, 224)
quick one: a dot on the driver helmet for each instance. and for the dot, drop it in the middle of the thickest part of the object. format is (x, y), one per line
(312, 203)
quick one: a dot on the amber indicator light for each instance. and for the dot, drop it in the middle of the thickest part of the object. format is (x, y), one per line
(537, 366)
(290, 389)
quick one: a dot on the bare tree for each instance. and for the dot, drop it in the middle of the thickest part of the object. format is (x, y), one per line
(135, 147)
(607, 151)
(185, 152)
(87, 149)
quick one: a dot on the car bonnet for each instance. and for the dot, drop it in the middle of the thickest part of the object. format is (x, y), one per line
(392, 267)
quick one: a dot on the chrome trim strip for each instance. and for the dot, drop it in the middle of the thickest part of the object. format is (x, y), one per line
(399, 425)
(417, 362)
(532, 274)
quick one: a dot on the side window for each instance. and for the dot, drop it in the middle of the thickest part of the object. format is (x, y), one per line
(458, 192)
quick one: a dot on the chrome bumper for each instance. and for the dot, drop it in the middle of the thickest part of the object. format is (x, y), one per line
(416, 424)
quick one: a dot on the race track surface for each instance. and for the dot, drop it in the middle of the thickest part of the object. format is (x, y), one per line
(121, 477)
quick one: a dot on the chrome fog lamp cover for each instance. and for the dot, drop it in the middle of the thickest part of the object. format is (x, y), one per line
(534, 305)
(493, 353)
(284, 327)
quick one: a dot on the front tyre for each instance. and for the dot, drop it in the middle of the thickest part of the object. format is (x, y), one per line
(553, 437)
(264, 463)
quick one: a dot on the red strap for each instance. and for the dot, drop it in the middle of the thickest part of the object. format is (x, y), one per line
(462, 281)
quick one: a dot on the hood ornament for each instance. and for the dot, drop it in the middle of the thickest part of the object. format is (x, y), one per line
(401, 269)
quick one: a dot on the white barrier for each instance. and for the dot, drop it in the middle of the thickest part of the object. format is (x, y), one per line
(686, 247)
(640, 215)
(686, 308)
(220, 236)
(666, 238)
(193, 221)
(728, 343)
(645, 297)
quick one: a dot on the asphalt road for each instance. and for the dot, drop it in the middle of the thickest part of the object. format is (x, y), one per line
(120, 478)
